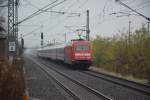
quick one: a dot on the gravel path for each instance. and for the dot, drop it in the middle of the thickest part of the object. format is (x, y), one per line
(39, 86)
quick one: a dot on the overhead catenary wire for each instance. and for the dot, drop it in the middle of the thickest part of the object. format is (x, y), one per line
(63, 12)
(123, 14)
(130, 2)
(39, 11)
(32, 4)
(65, 19)
(82, 5)
(139, 6)
(71, 6)
(56, 25)
(52, 11)
(34, 30)
(132, 10)
(30, 16)
(31, 25)
(104, 8)
(77, 14)
(46, 10)
(61, 21)
(52, 27)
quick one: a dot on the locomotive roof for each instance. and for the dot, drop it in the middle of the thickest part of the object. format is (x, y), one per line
(75, 41)
(53, 46)
(79, 40)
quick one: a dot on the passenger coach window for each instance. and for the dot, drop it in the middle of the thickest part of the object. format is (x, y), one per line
(82, 47)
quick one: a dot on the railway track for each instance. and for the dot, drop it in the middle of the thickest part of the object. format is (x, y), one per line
(119, 81)
(59, 77)
(61, 85)
(141, 88)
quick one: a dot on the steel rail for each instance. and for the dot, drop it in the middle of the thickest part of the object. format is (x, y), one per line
(96, 92)
(120, 81)
(59, 83)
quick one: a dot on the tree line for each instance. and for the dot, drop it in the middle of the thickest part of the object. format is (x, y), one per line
(127, 54)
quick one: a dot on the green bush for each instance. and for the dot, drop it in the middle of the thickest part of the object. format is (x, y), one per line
(128, 55)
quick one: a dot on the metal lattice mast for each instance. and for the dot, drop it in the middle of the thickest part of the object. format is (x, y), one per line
(87, 27)
(11, 27)
(10, 20)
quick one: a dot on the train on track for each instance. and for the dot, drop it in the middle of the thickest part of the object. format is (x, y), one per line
(77, 53)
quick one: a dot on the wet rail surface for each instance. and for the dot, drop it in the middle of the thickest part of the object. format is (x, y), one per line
(113, 90)
(142, 88)
(41, 87)
(76, 89)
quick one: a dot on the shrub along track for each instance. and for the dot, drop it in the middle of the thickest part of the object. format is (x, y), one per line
(12, 86)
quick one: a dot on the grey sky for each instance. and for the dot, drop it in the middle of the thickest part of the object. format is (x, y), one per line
(3, 14)
(102, 22)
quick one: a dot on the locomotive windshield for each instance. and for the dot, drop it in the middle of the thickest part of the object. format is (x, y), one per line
(82, 48)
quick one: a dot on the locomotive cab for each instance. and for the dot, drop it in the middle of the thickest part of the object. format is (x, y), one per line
(82, 53)
(77, 52)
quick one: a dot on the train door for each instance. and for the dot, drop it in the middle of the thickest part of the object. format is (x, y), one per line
(68, 55)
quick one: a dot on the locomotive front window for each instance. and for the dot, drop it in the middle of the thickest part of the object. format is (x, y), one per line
(82, 48)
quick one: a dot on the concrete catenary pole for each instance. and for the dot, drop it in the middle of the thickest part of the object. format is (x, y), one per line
(148, 26)
(129, 30)
(87, 27)
(42, 39)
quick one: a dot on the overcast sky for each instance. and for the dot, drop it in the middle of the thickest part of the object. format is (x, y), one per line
(102, 21)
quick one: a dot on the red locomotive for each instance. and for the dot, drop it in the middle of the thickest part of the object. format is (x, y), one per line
(77, 52)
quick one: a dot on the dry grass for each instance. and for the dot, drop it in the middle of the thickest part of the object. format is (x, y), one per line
(131, 78)
(12, 81)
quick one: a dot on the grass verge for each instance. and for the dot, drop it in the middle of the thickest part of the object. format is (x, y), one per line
(128, 77)
(12, 85)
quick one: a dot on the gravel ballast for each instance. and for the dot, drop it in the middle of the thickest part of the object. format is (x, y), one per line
(39, 85)
(112, 90)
